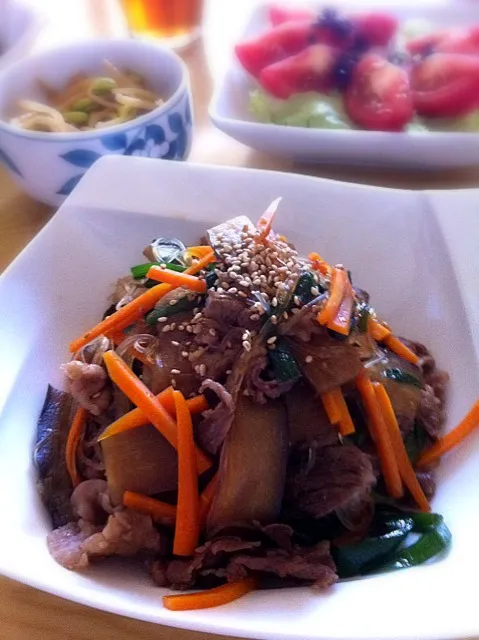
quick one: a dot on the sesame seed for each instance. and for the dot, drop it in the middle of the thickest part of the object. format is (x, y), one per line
(233, 290)
(297, 301)
(244, 283)
(314, 291)
(308, 359)
(242, 294)
(212, 332)
(245, 335)
(220, 289)
(246, 345)
(272, 340)
(197, 368)
(165, 329)
(274, 301)
(202, 369)
(228, 371)
(175, 343)
(254, 316)
(184, 354)
(172, 302)
(285, 315)
(274, 319)
(181, 327)
(198, 316)
(163, 265)
(173, 383)
(189, 328)
(246, 392)
(197, 329)
(175, 372)
(173, 326)
(162, 319)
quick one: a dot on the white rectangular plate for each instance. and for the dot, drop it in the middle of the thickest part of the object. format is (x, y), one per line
(229, 108)
(414, 252)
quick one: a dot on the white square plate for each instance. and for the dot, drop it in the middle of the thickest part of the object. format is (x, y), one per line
(414, 252)
(229, 108)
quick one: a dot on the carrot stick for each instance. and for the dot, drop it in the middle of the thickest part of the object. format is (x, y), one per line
(318, 264)
(381, 437)
(378, 331)
(346, 425)
(177, 279)
(73, 440)
(132, 311)
(210, 598)
(199, 251)
(265, 223)
(161, 512)
(341, 322)
(333, 410)
(137, 308)
(206, 499)
(451, 439)
(144, 399)
(404, 464)
(136, 418)
(398, 347)
(337, 290)
(187, 530)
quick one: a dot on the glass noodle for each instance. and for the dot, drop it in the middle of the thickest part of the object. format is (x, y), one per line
(88, 102)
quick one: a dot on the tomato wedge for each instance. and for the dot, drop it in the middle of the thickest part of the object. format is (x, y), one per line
(445, 85)
(279, 14)
(465, 41)
(379, 96)
(274, 45)
(375, 28)
(310, 70)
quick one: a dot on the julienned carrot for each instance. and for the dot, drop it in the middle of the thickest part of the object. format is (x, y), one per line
(206, 499)
(131, 311)
(319, 264)
(404, 464)
(177, 279)
(210, 598)
(451, 439)
(187, 530)
(73, 440)
(137, 308)
(333, 410)
(136, 418)
(378, 331)
(346, 425)
(339, 280)
(265, 223)
(161, 512)
(380, 435)
(199, 251)
(144, 399)
(400, 348)
(341, 322)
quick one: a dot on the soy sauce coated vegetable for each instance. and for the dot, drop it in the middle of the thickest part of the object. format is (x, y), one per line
(303, 289)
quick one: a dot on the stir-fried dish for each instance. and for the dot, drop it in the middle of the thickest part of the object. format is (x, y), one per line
(88, 102)
(241, 418)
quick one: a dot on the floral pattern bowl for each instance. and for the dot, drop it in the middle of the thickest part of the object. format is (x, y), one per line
(49, 165)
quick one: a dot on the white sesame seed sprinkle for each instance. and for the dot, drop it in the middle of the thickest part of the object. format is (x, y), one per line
(308, 359)
(272, 340)
(246, 345)
(274, 301)
(175, 372)
(202, 370)
(165, 329)
(274, 319)
(162, 319)
(175, 343)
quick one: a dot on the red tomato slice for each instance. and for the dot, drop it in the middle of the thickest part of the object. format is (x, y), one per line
(379, 96)
(310, 70)
(275, 44)
(464, 41)
(278, 14)
(445, 85)
(376, 28)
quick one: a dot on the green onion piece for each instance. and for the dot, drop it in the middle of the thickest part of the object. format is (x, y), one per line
(303, 288)
(140, 270)
(362, 316)
(398, 375)
(283, 364)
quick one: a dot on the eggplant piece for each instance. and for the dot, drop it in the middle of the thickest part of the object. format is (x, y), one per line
(140, 460)
(53, 483)
(252, 466)
(307, 419)
(333, 363)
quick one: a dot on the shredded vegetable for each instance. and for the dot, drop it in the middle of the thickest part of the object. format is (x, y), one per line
(210, 598)
(74, 436)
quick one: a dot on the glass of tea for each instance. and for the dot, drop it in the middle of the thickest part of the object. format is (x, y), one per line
(176, 21)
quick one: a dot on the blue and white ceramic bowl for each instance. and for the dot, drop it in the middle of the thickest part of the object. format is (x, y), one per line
(49, 165)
